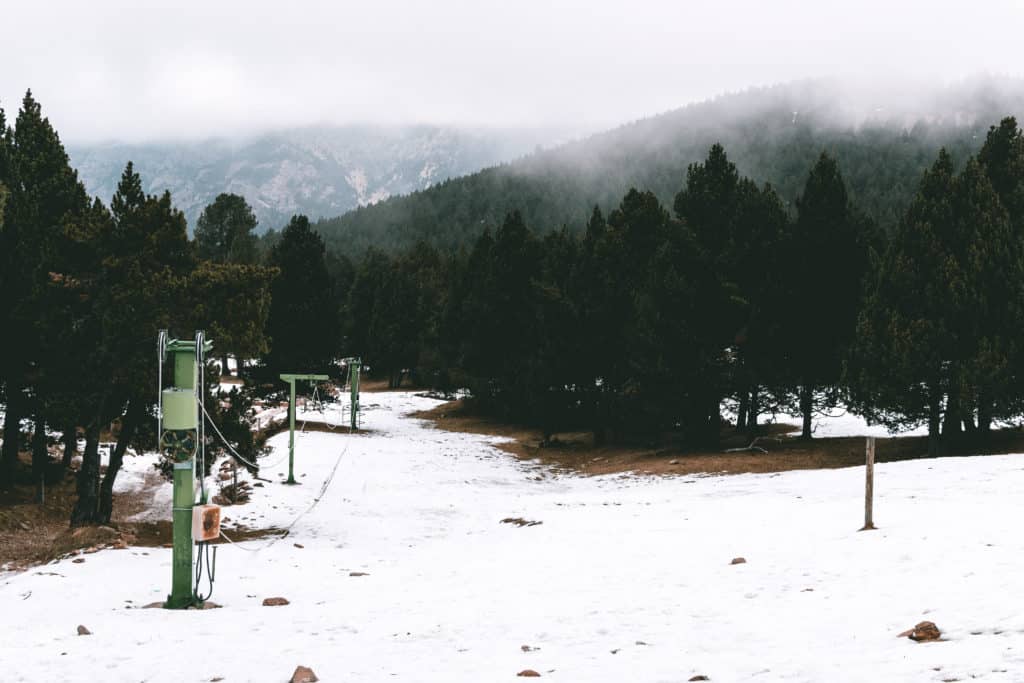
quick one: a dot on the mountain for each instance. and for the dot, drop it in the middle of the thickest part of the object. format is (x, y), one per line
(883, 139)
(318, 171)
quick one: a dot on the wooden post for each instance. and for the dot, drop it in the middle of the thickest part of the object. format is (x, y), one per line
(869, 485)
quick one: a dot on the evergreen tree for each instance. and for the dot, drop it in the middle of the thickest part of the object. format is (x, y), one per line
(1002, 157)
(44, 194)
(303, 323)
(942, 310)
(828, 256)
(224, 231)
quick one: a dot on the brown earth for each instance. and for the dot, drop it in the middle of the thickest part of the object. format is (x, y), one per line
(576, 451)
(33, 534)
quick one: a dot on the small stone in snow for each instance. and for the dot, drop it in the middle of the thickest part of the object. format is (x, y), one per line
(924, 632)
(738, 560)
(83, 631)
(528, 673)
(274, 602)
(298, 545)
(700, 677)
(303, 674)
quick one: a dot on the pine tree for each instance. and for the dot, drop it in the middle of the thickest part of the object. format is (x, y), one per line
(44, 193)
(303, 323)
(224, 231)
(942, 310)
(828, 256)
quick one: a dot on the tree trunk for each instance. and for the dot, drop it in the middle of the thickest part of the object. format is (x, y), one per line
(39, 458)
(951, 423)
(88, 486)
(129, 424)
(741, 412)
(984, 413)
(70, 440)
(599, 426)
(712, 421)
(753, 411)
(12, 436)
(224, 369)
(806, 409)
(934, 421)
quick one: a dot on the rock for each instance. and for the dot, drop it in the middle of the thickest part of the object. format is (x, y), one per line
(528, 673)
(528, 648)
(358, 574)
(738, 560)
(298, 545)
(303, 674)
(78, 560)
(520, 522)
(83, 631)
(700, 677)
(673, 462)
(275, 602)
(924, 632)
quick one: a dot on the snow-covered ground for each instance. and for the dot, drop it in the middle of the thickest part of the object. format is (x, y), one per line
(626, 579)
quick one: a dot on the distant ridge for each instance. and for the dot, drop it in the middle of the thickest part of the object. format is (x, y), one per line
(883, 137)
(318, 171)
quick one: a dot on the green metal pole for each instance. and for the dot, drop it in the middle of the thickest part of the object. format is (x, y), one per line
(181, 562)
(354, 411)
(291, 379)
(291, 433)
(183, 354)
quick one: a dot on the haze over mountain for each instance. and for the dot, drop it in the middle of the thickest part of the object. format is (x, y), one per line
(882, 136)
(319, 171)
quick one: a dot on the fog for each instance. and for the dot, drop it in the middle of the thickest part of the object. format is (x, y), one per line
(187, 70)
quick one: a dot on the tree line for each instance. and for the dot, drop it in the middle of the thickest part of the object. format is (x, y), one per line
(84, 287)
(644, 325)
(651, 320)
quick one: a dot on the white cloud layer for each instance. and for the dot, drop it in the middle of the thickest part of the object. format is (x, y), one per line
(137, 70)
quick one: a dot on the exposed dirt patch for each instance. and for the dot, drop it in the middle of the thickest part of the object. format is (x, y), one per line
(373, 386)
(33, 534)
(785, 451)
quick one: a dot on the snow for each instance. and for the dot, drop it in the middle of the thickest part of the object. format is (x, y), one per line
(840, 422)
(635, 566)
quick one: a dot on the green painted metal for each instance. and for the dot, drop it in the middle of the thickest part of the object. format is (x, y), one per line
(180, 421)
(291, 378)
(354, 371)
(179, 409)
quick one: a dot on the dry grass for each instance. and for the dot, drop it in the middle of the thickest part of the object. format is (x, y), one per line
(576, 450)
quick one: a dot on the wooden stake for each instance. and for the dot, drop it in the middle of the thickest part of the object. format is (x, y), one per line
(869, 485)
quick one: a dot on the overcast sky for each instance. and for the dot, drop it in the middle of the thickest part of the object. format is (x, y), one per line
(109, 69)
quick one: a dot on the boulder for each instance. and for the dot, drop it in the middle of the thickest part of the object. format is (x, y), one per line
(83, 631)
(303, 674)
(738, 560)
(274, 602)
(924, 632)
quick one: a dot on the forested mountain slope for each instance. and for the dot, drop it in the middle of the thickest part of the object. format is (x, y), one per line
(772, 134)
(317, 171)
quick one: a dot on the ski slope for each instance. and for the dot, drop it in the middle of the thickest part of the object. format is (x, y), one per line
(626, 579)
